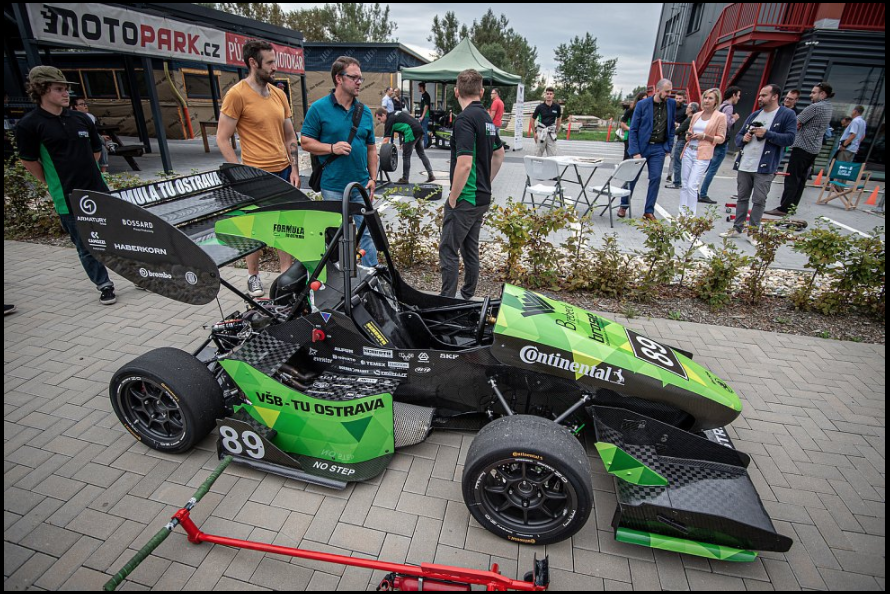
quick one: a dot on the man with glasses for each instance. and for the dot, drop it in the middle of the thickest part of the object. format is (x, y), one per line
(80, 104)
(326, 132)
(261, 113)
(60, 147)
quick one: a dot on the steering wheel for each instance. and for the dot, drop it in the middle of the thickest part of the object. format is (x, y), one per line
(483, 317)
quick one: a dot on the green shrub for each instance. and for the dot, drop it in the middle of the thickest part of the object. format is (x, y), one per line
(722, 268)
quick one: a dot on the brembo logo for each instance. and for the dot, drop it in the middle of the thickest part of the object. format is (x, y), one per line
(530, 354)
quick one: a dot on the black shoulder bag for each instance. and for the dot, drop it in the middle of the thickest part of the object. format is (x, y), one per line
(317, 166)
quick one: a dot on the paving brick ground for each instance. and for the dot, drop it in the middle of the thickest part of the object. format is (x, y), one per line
(81, 496)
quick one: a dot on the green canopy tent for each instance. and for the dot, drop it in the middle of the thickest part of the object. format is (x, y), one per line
(463, 56)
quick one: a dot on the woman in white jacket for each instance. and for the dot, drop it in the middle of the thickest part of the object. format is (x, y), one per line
(707, 130)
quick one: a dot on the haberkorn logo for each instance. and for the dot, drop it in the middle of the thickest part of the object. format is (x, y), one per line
(142, 249)
(531, 354)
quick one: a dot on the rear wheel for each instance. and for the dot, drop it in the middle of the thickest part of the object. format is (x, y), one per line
(527, 479)
(167, 399)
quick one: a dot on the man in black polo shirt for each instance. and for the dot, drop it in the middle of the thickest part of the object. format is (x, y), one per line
(546, 131)
(61, 148)
(409, 128)
(476, 156)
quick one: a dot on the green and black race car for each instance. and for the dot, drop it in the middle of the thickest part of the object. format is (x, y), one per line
(345, 364)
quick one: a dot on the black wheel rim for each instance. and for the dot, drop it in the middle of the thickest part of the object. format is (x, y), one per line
(526, 496)
(152, 409)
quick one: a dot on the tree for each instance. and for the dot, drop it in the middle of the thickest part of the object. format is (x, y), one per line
(342, 22)
(446, 34)
(584, 77)
(496, 40)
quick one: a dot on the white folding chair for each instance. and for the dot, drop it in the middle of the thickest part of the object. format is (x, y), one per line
(542, 179)
(625, 173)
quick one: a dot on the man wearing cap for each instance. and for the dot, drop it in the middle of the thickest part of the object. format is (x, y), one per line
(61, 148)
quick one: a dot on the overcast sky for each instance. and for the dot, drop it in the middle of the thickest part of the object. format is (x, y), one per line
(626, 32)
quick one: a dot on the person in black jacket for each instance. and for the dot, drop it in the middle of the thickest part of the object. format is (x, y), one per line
(411, 132)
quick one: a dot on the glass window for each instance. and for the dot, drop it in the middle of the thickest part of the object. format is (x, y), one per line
(99, 84)
(197, 86)
(73, 76)
(860, 85)
(124, 85)
(694, 25)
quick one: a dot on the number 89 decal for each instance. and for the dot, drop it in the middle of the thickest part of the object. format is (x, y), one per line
(247, 443)
(657, 354)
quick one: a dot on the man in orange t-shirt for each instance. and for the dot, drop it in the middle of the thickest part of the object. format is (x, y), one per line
(261, 114)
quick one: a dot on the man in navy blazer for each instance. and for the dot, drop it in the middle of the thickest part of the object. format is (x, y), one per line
(651, 136)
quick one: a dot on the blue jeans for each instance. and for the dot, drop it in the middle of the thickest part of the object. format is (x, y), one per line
(285, 173)
(677, 162)
(425, 126)
(95, 269)
(370, 257)
(654, 155)
(716, 160)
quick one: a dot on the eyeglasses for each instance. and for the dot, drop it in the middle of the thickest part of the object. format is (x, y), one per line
(355, 77)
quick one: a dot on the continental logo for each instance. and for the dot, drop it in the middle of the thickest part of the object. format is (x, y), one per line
(530, 354)
(527, 455)
(291, 231)
(533, 305)
(529, 541)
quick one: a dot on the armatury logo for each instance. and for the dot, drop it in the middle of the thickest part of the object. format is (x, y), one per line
(530, 354)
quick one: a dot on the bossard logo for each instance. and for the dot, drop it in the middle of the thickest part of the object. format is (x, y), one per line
(291, 231)
(138, 225)
(530, 354)
(423, 357)
(191, 278)
(533, 305)
(382, 353)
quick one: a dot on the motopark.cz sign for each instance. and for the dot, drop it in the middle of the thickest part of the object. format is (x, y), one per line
(100, 26)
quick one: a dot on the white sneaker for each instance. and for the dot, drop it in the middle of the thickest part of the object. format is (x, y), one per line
(732, 233)
(255, 286)
(751, 239)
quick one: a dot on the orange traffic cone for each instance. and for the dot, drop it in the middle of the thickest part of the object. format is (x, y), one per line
(873, 199)
(818, 181)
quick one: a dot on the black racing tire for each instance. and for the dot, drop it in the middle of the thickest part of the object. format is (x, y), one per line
(389, 157)
(167, 399)
(527, 479)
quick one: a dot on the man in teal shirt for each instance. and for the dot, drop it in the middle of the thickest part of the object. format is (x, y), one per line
(325, 133)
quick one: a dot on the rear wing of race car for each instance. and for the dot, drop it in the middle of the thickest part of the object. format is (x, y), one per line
(162, 237)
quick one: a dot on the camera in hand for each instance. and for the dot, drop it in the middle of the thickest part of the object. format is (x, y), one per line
(754, 126)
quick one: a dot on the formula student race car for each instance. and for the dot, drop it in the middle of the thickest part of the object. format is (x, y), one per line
(344, 364)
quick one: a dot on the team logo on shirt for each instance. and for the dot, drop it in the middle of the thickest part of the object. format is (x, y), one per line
(490, 129)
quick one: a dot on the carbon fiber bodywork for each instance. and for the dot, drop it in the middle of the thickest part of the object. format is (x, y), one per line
(709, 496)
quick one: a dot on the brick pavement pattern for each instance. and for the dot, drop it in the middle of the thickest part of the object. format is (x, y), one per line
(81, 495)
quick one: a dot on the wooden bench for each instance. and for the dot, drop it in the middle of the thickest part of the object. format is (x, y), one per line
(211, 124)
(116, 148)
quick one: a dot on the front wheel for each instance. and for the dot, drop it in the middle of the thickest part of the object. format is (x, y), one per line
(527, 479)
(167, 399)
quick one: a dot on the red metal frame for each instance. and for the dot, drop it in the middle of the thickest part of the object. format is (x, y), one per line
(492, 579)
